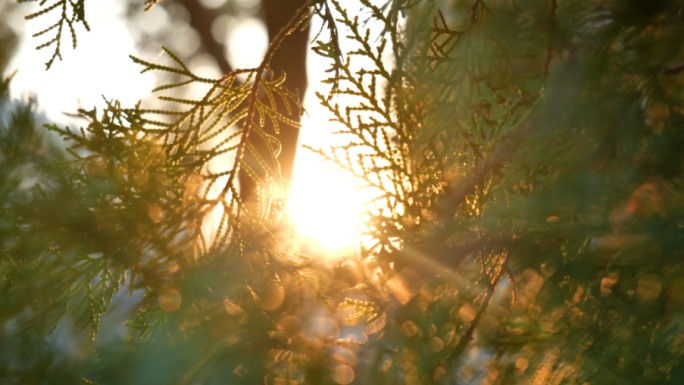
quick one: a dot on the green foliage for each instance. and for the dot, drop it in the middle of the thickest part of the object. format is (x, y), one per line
(447, 139)
(526, 226)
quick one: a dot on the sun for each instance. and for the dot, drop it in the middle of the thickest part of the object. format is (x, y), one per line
(325, 210)
(327, 203)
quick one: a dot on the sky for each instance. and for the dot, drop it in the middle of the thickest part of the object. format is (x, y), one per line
(325, 201)
(99, 65)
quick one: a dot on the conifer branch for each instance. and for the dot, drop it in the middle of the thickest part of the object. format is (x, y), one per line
(467, 337)
(296, 20)
(552, 27)
(77, 10)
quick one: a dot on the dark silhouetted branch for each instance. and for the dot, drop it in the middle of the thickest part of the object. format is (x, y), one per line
(201, 19)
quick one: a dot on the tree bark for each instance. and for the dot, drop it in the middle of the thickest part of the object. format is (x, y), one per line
(291, 59)
(201, 20)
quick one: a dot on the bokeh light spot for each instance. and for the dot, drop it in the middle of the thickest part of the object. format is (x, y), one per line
(343, 374)
(247, 42)
(170, 300)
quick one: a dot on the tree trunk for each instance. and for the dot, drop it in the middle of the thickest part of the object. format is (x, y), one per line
(291, 59)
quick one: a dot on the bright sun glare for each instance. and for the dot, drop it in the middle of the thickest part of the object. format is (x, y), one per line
(325, 201)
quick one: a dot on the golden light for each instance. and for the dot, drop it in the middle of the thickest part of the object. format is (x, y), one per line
(326, 202)
(100, 64)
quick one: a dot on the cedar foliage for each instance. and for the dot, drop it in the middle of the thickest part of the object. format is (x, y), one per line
(72, 13)
(526, 226)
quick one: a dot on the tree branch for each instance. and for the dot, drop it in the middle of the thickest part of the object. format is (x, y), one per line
(201, 19)
(295, 21)
(549, 47)
(468, 335)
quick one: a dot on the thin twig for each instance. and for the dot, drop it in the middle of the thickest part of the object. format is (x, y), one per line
(673, 69)
(291, 25)
(549, 47)
(506, 148)
(509, 272)
(468, 335)
(473, 11)
(202, 19)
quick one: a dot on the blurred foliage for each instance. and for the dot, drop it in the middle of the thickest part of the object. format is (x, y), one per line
(527, 226)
